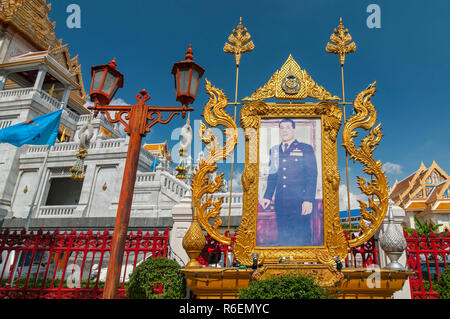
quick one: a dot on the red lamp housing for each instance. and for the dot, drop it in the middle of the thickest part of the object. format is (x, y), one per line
(106, 80)
(187, 75)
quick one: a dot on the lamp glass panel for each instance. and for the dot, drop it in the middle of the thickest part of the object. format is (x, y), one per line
(184, 80)
(114, 92)
(98, 77)
(194, 82)
(109, 83)
(176, 84)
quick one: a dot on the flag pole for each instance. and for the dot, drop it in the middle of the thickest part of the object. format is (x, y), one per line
(240, 44)
(33, 202)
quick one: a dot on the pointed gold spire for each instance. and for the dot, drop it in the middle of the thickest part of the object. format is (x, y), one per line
(240, 42)
(341, 39)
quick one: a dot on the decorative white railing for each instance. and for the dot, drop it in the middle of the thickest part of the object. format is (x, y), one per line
(19, 93)
(33, 149)
(50, 100)
(145, 177)
(65, 147)
(73, 146)
(111, 143)
(72, 115)
(43, 97)
(5, 123)
(173, 186)
(85, 118)
(56, 211)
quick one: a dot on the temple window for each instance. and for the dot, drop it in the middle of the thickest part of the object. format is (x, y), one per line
(63, 192)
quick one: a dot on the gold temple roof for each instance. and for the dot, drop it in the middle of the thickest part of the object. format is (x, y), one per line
(423, 190)
(29, 18)
(159, 149)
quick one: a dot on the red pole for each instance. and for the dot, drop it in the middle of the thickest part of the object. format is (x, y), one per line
(138, 120)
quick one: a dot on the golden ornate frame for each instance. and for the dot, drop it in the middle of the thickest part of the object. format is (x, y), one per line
(335, 243)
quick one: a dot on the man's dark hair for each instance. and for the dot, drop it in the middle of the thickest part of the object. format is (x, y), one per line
(287, 121)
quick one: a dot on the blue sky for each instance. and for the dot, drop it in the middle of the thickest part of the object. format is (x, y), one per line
(408, 57)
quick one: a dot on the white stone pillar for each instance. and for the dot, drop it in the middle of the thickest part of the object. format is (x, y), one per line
(399, 218)
(182, 219)
(40, 78)
(66, 95)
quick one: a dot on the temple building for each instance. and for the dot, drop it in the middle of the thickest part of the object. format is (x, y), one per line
(39, 76)
(424, 194)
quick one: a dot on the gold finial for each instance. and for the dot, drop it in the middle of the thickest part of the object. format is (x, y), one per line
(240, 42)
(341, 39)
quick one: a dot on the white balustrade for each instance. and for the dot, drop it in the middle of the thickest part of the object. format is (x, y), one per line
(145, 177)
(73, 116)
(50, 100)
(111, 143)
(16, 93)
(5, 123)
(65, 147)
(57, 211)
(37, 149)
(84, 118)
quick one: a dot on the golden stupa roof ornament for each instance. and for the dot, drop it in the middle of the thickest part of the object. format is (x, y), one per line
(240, 42)
(291, 82)
(341, 39)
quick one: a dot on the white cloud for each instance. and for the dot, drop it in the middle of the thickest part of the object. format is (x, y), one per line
(116, 101)
(237, 183)
(343, 199)
(391, 168)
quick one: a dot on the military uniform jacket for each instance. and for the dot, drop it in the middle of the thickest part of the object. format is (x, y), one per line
(292, 176)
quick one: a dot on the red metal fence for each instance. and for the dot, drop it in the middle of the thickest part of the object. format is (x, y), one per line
(216, 253)
(69, 265)
(363, 256)
(428, 257)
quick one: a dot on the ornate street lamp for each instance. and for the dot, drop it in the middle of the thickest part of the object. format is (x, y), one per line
(106, 80)
(187, 75)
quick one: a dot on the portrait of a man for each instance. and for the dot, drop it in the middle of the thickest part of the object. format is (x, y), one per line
(291, 189)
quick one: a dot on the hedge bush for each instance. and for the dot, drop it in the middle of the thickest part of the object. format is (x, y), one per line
(443, 284)
(157, 271)
(284, 287)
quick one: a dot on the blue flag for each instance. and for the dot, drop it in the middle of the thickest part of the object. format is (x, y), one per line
(41, 130)
(154, 164)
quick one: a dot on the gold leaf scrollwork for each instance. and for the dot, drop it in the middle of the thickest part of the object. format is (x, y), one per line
(373, 214)
(265, 92)
(207, 210)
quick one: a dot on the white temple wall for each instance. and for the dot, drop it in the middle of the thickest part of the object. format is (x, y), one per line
(24, 192)
(103, 190)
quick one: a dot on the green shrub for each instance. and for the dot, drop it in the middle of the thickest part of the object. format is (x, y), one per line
(284, 287)
(443, 284)
(157, 271)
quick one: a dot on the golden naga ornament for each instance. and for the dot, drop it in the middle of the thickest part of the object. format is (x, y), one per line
(207, 211)
(342, 46)
(365, 118)
(239, 42)
(291, 82)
